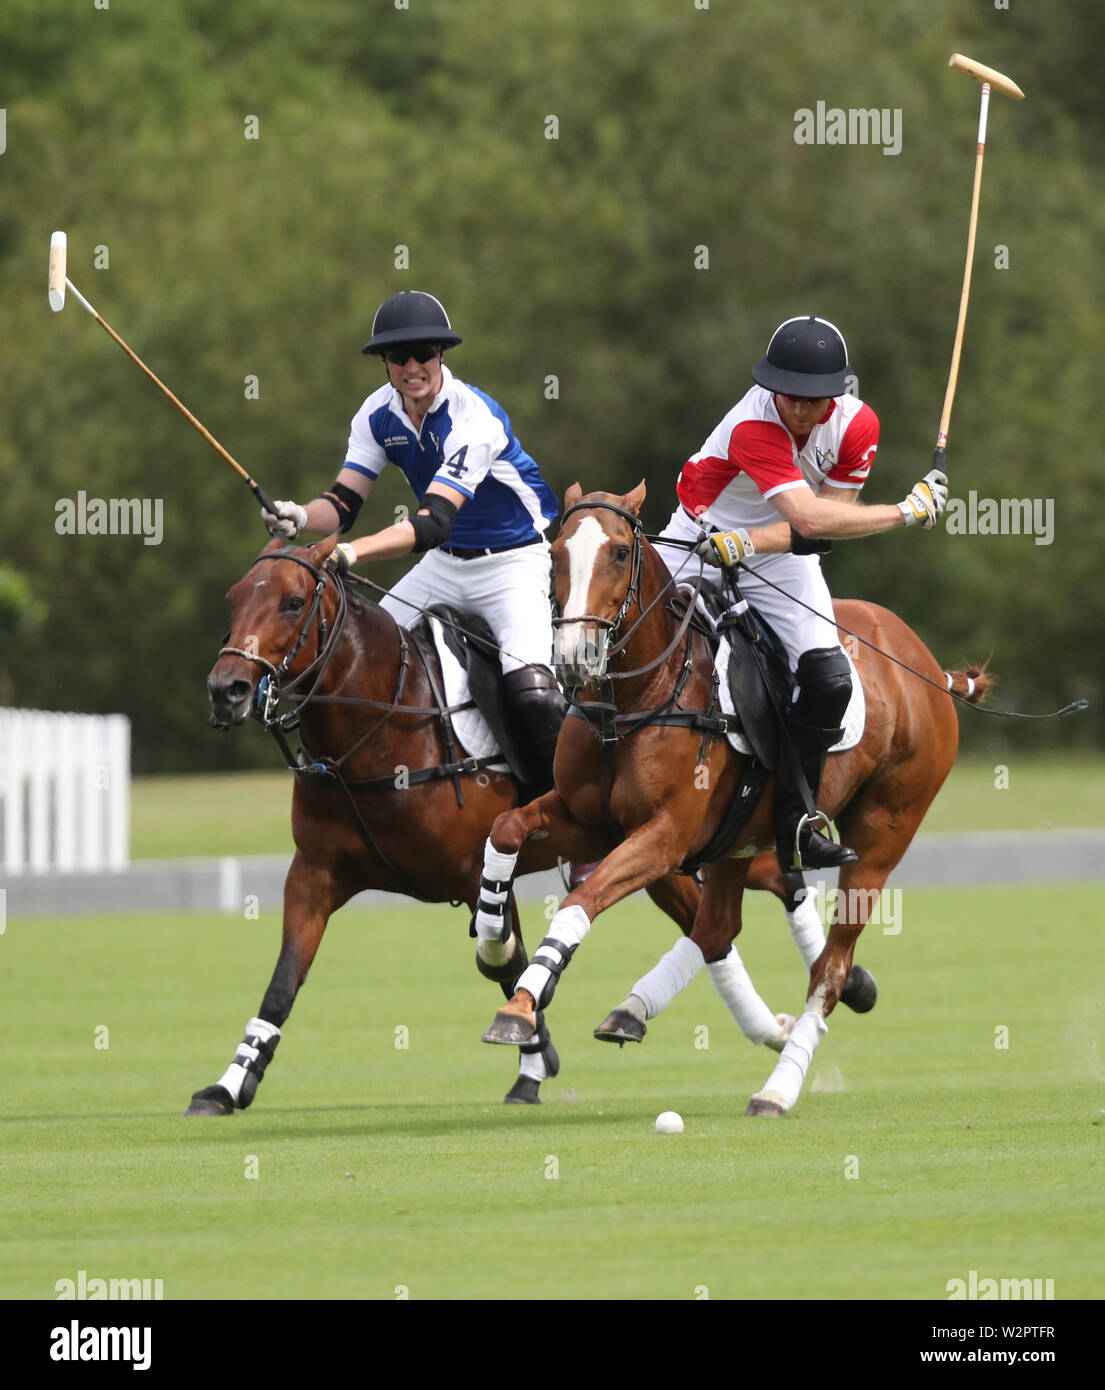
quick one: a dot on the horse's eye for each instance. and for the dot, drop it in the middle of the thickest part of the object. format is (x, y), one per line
(621, 554)
(293, 604)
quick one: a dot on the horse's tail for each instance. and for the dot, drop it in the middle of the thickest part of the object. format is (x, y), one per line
(973, 684)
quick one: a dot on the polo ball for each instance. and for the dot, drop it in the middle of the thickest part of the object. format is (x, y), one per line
(669, 1123)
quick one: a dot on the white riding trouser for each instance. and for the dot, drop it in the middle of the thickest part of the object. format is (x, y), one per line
(508, 590)
(798, 576)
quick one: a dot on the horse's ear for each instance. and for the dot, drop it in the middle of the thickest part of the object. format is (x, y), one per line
(321, 549)
(275, 544)
(572, 496)
(634, 499)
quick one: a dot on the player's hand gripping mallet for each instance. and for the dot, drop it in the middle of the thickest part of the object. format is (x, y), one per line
(58, 282)
(998, 82)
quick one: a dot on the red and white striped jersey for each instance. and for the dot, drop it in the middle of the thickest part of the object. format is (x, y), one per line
(752, 455)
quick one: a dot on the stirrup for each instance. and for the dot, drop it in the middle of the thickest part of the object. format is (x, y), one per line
(810, 822)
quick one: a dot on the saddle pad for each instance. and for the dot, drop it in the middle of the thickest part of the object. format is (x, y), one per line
(854, 717)
(471, 728)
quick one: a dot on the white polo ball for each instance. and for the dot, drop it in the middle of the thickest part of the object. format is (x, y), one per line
(669, 1123)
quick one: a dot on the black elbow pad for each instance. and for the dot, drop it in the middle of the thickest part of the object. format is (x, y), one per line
(433, 530)
(346, 503)
(800, 545)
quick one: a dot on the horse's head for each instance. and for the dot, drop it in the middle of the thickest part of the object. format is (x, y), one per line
(275, 609)
(597, 559)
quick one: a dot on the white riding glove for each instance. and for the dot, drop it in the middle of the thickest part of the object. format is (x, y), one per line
(927, 500)
(289, 519)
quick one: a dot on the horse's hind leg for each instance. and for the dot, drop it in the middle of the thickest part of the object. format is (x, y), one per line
(311, 895)
(859, 893)
(679, 896)
(800, 905)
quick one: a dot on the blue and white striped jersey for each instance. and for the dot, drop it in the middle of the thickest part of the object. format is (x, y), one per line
(466, 442)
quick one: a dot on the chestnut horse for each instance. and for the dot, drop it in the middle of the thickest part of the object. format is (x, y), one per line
(666, 787)
(361, 692)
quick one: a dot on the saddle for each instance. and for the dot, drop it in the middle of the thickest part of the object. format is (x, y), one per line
(470, 642)
(760, 680)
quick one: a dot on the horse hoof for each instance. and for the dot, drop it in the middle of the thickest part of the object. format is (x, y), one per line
(768, 1104)
(523, 1092)
(860, 991)
(212, 1100)
(621, 1027)
(512, 1030)
(785, 1023)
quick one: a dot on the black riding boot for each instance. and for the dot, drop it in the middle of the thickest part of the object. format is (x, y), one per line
(824, 687)
(536, 708)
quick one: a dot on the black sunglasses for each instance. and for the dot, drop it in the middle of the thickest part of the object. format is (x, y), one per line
(402, 353)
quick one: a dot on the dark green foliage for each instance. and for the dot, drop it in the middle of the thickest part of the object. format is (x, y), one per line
(571, 258)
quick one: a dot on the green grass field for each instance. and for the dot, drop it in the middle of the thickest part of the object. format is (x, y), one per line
(919, 1151)
(249, 813)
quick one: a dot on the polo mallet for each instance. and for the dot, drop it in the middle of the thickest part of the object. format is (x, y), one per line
(58, 282)
(990, 79)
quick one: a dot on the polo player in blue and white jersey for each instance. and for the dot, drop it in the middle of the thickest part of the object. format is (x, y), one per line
(483, 509)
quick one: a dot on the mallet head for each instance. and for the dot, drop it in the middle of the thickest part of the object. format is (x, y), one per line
(58, 248)
(997, 80)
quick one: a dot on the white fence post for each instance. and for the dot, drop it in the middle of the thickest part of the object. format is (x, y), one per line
(64, 791)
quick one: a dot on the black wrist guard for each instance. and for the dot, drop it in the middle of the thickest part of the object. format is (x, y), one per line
(433, 530)
(346, 503)
(801, 545)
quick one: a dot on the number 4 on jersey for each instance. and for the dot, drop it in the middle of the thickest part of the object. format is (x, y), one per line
(455, 466)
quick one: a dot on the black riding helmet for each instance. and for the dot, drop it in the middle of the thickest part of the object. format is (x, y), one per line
(806, 357)
(410, 317)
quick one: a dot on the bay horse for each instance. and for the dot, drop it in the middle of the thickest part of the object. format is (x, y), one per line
(666, 785)
(381, 799)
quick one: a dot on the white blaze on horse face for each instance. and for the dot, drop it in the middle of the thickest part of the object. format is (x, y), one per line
(580, 653)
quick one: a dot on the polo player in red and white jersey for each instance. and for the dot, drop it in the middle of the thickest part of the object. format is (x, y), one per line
(777, 479)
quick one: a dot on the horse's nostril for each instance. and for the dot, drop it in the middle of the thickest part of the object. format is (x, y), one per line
(229, 692)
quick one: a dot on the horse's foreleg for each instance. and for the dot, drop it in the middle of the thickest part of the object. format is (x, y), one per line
(310, 896)
(503, 963)
(631, 865)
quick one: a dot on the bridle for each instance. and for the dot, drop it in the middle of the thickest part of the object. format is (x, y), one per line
(611, 625)
(327, 645)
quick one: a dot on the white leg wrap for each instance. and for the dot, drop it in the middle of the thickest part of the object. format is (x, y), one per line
(669, 976)
(496, 953)
(233, 1078)
(497, 868)
(566, 930)
(806, 929)
(532, 1065)
(786, 1080)
(733, 982)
